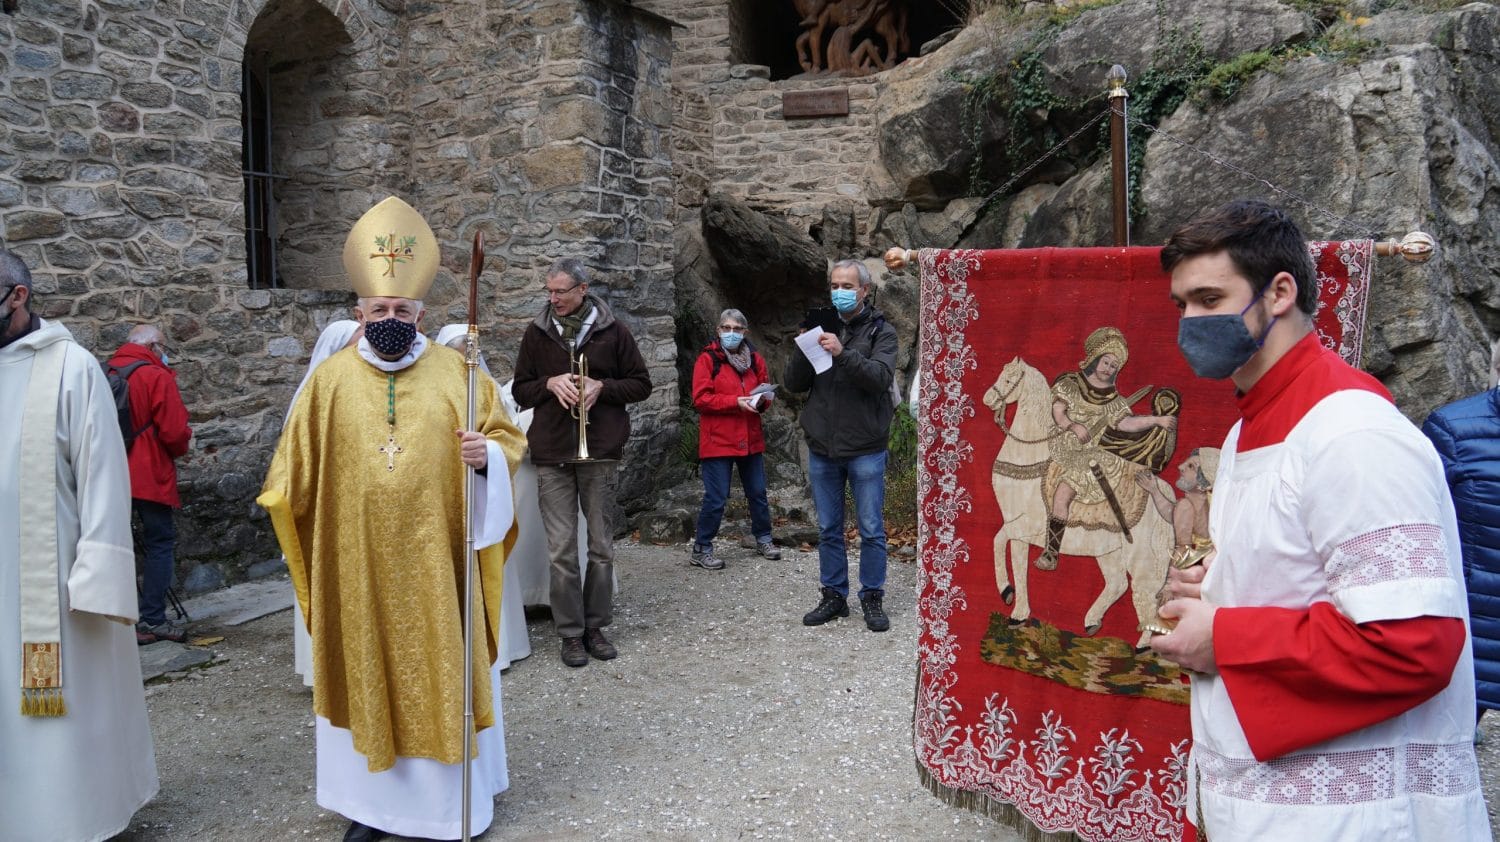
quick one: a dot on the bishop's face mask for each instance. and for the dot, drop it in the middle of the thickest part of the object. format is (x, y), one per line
(391, 337)
(5, 302)
(1216, 346)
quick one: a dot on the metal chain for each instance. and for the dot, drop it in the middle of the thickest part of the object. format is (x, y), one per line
(1345, 223)
(1046, 156)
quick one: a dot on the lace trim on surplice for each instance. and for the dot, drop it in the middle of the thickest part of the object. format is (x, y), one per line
(1408, 551)
(1344, 777)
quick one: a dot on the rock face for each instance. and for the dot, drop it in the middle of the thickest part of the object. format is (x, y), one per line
(1399, 133)
(1380, 147)
(942, 124)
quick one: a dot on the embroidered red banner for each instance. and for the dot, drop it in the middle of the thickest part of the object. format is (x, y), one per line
(1067, 452)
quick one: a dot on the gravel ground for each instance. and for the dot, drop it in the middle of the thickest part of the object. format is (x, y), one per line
(723, 717)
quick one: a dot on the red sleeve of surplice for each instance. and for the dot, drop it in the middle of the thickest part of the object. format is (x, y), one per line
(1300, 677)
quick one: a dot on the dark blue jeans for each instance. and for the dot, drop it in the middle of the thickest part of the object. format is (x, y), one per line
(716, 475)
(159, 538)
(865, 476)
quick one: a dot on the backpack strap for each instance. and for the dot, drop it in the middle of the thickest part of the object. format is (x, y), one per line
(126, 371)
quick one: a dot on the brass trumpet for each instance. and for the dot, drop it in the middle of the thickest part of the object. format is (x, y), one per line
(578, 367)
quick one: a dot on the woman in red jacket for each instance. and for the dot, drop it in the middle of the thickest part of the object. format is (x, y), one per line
(725, 379)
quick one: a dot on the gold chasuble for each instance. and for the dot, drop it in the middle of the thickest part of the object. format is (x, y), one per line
(370, 517)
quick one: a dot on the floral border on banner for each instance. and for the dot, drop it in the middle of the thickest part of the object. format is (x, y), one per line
(1349, 303)
(1027, 765)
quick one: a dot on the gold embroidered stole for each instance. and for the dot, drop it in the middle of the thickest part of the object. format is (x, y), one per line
(41, 611)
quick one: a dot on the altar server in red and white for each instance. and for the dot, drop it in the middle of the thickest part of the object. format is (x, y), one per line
(1333, 686)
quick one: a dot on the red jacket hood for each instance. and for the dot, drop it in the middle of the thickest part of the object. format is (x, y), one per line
(131, 352)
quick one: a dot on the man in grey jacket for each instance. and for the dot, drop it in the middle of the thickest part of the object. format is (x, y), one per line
(847, 422)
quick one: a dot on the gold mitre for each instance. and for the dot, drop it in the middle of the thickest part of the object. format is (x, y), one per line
(391, 252)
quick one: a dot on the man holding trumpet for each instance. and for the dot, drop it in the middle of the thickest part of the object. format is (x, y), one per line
(578, 368)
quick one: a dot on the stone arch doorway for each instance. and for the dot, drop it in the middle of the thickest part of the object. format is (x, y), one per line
(310, 136)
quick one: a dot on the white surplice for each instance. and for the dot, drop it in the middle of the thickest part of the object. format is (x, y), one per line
(83, 775)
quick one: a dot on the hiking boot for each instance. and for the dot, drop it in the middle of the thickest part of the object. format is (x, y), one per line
(832, 606)
(573, 653)
(165, 630)
(875, 617)
(706, 560)
(599, 645)
(766, 548)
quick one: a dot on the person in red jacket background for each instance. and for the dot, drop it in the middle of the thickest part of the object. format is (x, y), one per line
(725, 378)
(160, 422)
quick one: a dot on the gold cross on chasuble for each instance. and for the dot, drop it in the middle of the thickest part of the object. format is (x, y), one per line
(390, 449)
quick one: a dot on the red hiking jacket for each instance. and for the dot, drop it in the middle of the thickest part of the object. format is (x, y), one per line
(156, 409)
(723, 428)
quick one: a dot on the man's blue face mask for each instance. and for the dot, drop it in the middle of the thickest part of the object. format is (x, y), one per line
(844, 299)
(1216, 346)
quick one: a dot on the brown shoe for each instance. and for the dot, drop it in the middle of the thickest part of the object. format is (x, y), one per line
(598, 645)
(573, 653)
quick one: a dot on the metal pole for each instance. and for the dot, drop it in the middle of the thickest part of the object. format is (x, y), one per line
(1119, 152)
(468, 613)
(471, 363)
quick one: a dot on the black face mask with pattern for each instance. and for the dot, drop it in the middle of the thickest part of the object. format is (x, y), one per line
(391, 337)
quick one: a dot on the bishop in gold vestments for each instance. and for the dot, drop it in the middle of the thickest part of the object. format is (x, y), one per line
(365, 491)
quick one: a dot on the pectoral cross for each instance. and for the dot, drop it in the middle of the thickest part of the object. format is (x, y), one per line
(390, 449)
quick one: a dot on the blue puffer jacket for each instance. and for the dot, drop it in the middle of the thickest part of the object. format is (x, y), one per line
(1467, 436)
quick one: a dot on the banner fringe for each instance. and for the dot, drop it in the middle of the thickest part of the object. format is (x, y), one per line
(1000, 811)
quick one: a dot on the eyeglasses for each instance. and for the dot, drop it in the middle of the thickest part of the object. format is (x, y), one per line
(559, 293)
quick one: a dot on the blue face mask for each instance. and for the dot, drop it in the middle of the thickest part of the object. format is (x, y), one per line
(845, 299)
(731, 341)
(1216, 346)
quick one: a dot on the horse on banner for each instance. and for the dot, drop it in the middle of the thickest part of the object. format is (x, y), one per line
(1131, 556)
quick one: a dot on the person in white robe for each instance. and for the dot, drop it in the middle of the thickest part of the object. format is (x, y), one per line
(76, 759)
(338, 335)
(514, 642)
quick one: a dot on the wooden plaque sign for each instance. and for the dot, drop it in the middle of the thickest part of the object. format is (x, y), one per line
(829, 102)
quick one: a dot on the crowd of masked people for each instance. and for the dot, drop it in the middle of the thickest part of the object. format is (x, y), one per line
(367, 487)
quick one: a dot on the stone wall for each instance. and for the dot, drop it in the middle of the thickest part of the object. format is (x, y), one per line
(796, 167)
(546, 124)
(732, 138)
